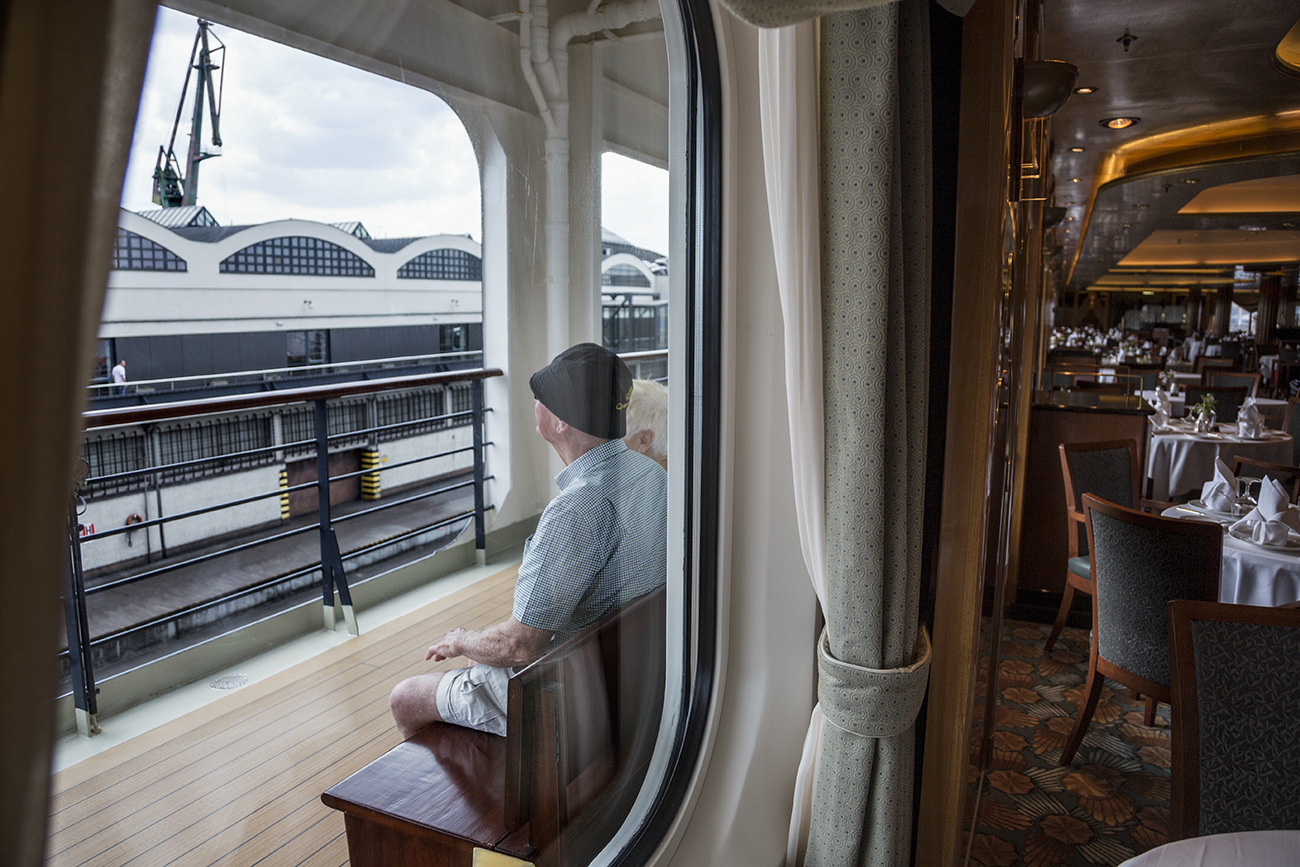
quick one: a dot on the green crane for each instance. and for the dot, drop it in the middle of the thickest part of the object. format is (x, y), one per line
(170, 188)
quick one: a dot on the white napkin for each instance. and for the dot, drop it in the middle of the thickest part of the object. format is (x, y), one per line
(1161, 416)
(1220, 492)
(1274, 505)
(1270, 533)
(1249, 422)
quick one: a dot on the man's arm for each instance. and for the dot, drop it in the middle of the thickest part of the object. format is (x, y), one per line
(506, 644)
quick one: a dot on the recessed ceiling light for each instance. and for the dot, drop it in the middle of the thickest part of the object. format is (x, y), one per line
(1077, 150)
(1191, 180)
(1119, 122)
(1074, 180)
(1126, 225)
(1069, 218)
(1085, 89)
(1141, 205)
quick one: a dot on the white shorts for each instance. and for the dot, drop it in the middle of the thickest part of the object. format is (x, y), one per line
(475, 697)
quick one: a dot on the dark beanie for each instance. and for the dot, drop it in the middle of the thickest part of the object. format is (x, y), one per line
(588, 387)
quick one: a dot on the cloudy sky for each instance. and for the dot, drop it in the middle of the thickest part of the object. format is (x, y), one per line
(308, 138)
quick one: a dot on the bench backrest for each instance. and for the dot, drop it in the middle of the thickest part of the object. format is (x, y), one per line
(583, 717)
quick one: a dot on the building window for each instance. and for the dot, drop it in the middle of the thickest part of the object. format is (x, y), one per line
(296, 254)
(444, 264)
(624, 275)
(105, 358)
(307, 347)
(113, 454)
(213, 447)
(132, 252)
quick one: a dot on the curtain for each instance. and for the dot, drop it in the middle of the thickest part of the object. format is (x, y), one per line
(780, 13)
(788, 109)
(871, 267)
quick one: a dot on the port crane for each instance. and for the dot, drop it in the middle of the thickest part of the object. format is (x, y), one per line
(171, 189)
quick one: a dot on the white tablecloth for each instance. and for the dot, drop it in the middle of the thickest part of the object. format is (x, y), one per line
(1243, 849)
(1178, 463)
(1251, 574)
(1269, 406)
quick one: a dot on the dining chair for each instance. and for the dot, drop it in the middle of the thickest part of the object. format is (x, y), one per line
(1235, 757)
(1204, 361)
(1227, 399)
(1291, 424)
(1212, 376)
(1148, 373)
(1139, 562)
(1284, 474)
(1110, 470)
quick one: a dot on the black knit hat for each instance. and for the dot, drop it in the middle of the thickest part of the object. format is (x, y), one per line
(588, 387)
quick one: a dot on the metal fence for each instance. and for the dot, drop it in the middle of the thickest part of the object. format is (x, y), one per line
(184, 441)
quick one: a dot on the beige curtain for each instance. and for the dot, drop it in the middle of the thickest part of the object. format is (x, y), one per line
(853, 274)
(70, 76)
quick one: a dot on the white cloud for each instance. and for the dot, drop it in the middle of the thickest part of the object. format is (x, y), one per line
(314, 139)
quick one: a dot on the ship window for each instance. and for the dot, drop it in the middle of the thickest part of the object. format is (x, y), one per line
(132, 252)
(296, 254)
(444, 264)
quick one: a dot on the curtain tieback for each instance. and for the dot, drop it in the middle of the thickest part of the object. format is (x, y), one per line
(872, 702)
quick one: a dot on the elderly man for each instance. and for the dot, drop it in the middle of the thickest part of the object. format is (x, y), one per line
(601, 543)
(647, 421)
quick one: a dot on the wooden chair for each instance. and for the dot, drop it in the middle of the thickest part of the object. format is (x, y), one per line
(1216, 377)
(1227, 399)
(1110, 470)
(1291, 424)
(1139, 563)
(1203, 362)
(1148, 373)
(1284, 474)
(1236, 701)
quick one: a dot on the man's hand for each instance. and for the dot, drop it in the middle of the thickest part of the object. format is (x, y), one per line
(508, 643)
(449, 647)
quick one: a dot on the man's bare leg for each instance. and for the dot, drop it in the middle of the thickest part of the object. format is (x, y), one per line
(414, 703)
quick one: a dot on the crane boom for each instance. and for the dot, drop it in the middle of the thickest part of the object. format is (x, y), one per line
(171, 189)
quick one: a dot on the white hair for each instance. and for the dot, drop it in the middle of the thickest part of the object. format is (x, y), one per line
(648, 409)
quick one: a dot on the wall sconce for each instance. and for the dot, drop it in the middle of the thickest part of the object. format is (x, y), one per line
(1047, 85)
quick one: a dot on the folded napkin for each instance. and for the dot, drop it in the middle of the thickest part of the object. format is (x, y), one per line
(1274, 505)
(1249, 422)
(1161, 416)
(1270, 533)
(1220, 492)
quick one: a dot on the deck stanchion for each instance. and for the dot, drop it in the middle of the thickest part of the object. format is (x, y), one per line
(333, 579)
(80, 669)
(480, 535)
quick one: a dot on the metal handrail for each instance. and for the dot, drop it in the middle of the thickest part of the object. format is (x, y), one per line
(330, 565)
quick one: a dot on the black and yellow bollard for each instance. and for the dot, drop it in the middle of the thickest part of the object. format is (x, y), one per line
(284, 495)
(370, 481)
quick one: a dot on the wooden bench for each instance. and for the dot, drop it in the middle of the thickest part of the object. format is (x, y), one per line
(581, 722)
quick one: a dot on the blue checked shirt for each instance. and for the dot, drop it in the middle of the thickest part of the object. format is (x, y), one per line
(601, 543)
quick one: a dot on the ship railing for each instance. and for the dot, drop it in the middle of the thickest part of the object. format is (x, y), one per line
(279, 377)
(333, 576)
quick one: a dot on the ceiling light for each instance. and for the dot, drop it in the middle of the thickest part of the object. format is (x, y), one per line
(1074, 180)
(1069, 218)
(1126, 225)
(1141, 205)
(1119, 122)
(1077, 150)
(1085, 89)
(1191, 180)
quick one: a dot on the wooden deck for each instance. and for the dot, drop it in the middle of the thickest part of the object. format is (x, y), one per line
(238, 782)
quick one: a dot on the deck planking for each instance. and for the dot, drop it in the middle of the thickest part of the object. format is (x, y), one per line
(238, 782)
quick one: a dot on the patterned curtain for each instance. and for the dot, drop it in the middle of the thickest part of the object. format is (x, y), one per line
(875, 206)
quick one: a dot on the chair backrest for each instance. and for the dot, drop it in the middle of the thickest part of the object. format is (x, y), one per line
(584, 710)
(1291, 424)
(1284, 474)
(1141, 561)
(1227, 399)
(1204, 361)
(1108, 469)
(1148, 373)
(1210, 376)
(1236, 701)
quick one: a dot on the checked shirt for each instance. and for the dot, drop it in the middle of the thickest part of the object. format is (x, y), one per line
(601, 543)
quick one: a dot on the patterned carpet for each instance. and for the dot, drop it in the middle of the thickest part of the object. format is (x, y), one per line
(1109, 804)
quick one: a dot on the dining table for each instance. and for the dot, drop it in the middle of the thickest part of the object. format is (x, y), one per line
(1239, 849)
(1180, 461)
(1251, 573)
(1270, 407)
